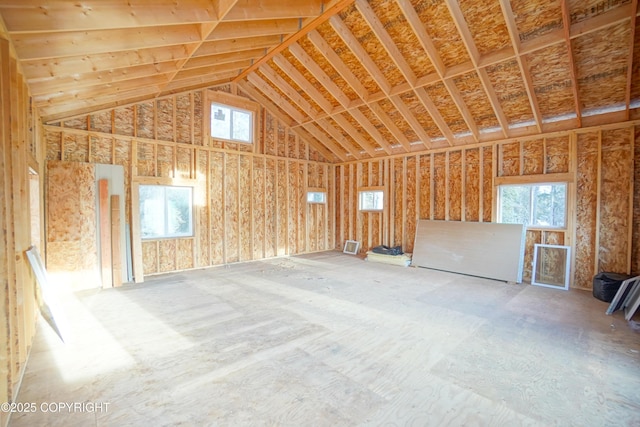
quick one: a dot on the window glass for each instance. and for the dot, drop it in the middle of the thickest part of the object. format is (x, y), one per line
(231, 123)
(371, 200)
(536, 205)
(316, 197)
(165, 211)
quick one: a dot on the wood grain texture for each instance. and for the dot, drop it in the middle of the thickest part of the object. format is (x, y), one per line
(478, 249)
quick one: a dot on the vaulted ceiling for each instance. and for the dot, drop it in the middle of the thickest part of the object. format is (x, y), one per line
(361, 78)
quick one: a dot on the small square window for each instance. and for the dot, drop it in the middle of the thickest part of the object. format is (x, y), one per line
(371, 200)
(166, 211)
(232, 124)
(316, 197)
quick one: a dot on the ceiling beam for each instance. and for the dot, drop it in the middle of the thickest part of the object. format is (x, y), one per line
(318, 73)
(512, 28)
(36, 16)
(303, 83)
(217, 47)
(411, 119)
(70, 43)
(356, 48)
(385, 39)
(273, 109)
(224, 6)
(566, 27)
(223, 58)
(81, 64)
(332, 10)
(632, 37)
(43, 86)
(244, 29)
(336, 135)
(247, 10)
(280, 101)
(390, 125)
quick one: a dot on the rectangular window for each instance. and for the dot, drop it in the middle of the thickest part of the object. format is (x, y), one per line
(371, 200)
(534, 205)
(316, 197)
(166, 211)
(231, 123)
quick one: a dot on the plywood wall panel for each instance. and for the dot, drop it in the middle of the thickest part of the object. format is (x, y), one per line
(184, 118)
(53, 140)
(292, 145)
(531, 238)
(271, 207)
(165, 120)
(258, 208)
(102, 121)
(165, 160)
(145, 120)
(184, 162)
(246, 211)
(217, 207)
(101, 150)
(487, 183)
(146, 159)
(440, 186)
(124, 121)
(293, 215)
(617, 175)
(586, 208)
(202, 209)
(270, 135)
(472, 185)
(557, 154)
(554, 237)
(122, 153)
(635, 249)
(411, 207)
(397, 202)
(167, 255)
(282, 143)
(150, 256)
(454, 180)
(76, 148)
(231, 203)
(533, 156)
(425, 187)
(80, 123)
(510, 159)
(184, 254)
(198, 119)
(302, 212)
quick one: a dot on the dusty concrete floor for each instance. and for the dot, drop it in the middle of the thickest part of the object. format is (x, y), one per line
(328, 339)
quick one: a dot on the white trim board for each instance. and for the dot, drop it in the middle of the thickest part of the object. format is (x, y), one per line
(484, 249)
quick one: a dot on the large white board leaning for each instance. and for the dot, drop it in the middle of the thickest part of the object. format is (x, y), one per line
(483, 249)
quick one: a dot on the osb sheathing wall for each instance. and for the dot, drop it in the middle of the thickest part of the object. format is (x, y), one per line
(601, 166)
(250, 200)
(19, 151)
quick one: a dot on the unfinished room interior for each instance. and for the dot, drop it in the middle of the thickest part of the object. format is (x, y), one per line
(192, 191)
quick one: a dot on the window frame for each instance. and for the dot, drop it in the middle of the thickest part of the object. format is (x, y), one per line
(314, 190)
(165, 235)
(236, 103)
(533, 181)
(363, 190)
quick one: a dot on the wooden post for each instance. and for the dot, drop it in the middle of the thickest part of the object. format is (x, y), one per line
(105, 233)
(116, 247)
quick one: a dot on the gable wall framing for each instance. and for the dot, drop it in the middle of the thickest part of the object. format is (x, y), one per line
(250, 199)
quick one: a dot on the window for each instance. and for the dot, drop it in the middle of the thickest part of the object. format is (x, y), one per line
(535, 205)
(316, 197)
(370, 200)
(166, 211)
(231, 123)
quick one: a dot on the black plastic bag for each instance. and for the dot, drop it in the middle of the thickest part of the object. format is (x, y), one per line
(386, 250)
(606, 285)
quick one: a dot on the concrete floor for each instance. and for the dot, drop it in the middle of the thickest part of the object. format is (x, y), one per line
(328, 339)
